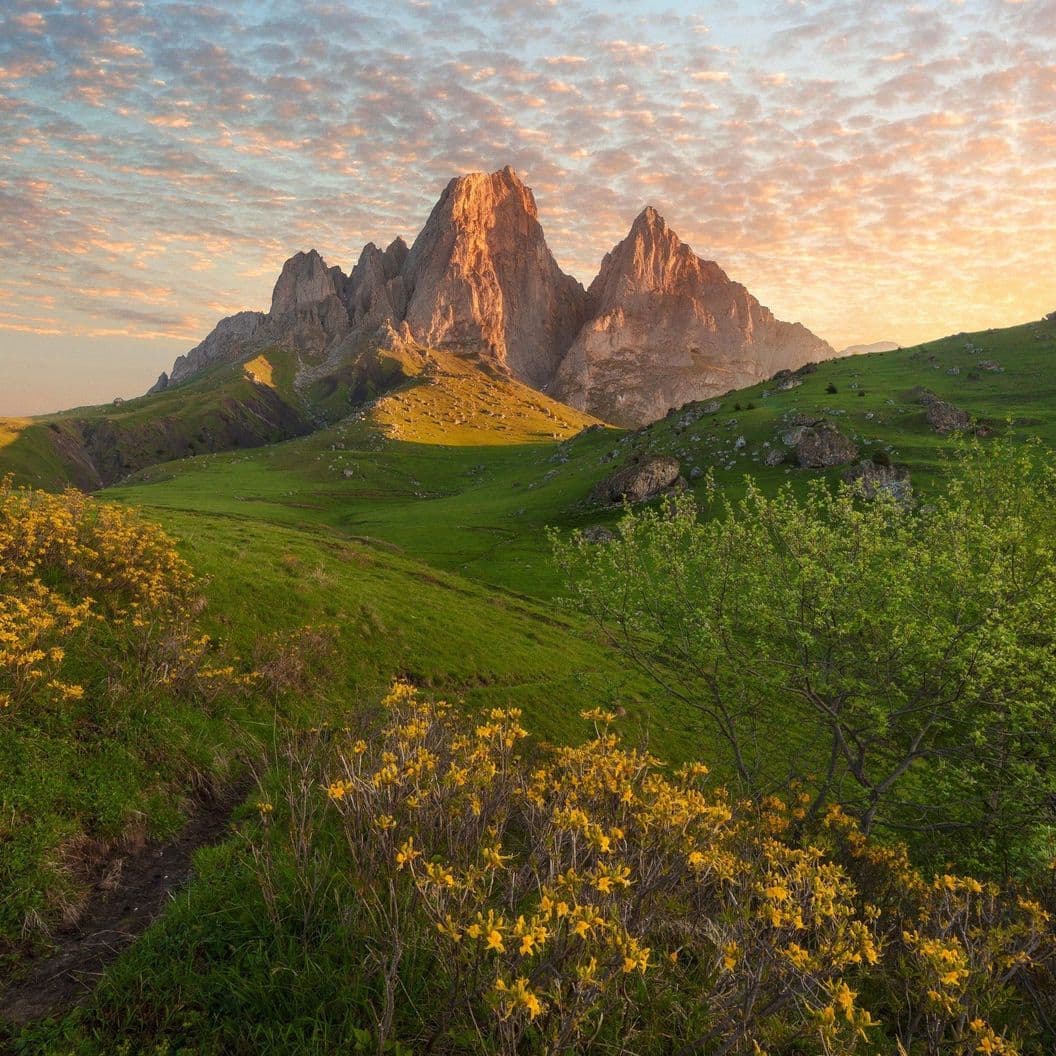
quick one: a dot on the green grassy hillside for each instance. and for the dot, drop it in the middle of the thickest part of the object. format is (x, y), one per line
(999, 377)
(411, 534)
(457, 467)
(222, 408)
(466, 471)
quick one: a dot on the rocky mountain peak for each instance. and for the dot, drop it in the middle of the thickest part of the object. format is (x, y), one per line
(659, 326)
(652, 258)
(305, 280)
(648, 220)
(480, 277)
(667, 328)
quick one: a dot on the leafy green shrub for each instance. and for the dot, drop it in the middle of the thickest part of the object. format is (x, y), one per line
(911, 655)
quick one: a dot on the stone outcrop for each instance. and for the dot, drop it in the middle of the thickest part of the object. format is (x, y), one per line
(659, 327)
(640, 481)
(821, 446)
(481, 278)
(160, 385)
(231, 339)
(873, 478)
(667, 328)
(598, 533)
(304, 282)
(375, 293)
(943, 416)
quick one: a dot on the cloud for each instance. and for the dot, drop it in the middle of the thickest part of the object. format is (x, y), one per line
(168, 157)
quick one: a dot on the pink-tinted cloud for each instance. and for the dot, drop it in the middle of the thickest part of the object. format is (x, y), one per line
(877, 171)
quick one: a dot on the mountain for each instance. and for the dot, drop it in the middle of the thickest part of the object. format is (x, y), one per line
(866, 350)
(480, 277)
(667, 328)
(658, 326)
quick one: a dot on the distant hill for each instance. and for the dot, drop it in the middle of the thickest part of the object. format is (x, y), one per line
(466, 468)
(865, 350)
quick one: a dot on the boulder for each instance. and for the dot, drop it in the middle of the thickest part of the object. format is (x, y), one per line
(872, 478)
(821, 446)
(640, 481)
(598, 533)
(775, 457)
(943, 416)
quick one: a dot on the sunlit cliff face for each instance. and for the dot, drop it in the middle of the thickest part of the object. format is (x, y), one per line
(876, 171)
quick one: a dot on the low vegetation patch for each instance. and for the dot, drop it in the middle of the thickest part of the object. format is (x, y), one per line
(494, 896)
(898, 661)
(104, 678)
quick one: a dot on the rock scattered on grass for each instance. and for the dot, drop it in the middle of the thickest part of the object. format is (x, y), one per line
(943, 416)
(640, 481)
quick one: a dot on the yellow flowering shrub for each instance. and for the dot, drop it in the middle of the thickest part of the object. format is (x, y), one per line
(955, 948)
(586, 893)
(100, 656)
(68, 564)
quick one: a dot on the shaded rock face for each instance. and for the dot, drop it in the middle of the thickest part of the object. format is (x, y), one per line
(305, 281)
(668, 328)
(105, 450)
(480, 277)
(873, 479)
(943, 416)
(229, 341)
(640, 481)
(160, 385)
(375, 293)
(821, 446)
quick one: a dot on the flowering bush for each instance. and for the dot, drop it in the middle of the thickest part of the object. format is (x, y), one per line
(103, 675)
(67, 563)
(582, 897)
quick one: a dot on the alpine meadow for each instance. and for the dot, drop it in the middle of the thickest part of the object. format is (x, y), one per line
(517, 643)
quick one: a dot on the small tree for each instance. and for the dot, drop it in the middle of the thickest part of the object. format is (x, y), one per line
(900, 663)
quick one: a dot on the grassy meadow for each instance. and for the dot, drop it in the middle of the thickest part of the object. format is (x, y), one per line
(407, 541)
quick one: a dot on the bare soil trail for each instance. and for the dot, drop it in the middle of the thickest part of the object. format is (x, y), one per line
(149, 877)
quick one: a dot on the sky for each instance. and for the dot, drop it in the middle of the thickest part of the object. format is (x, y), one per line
(875, 170)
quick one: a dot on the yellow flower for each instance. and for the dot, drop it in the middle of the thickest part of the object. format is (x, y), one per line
(407, 854)
(448, 927)
(494, 857)
(494, 941)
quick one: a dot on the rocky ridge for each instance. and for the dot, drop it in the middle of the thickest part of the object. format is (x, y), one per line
(668, 328)
(658, 327)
